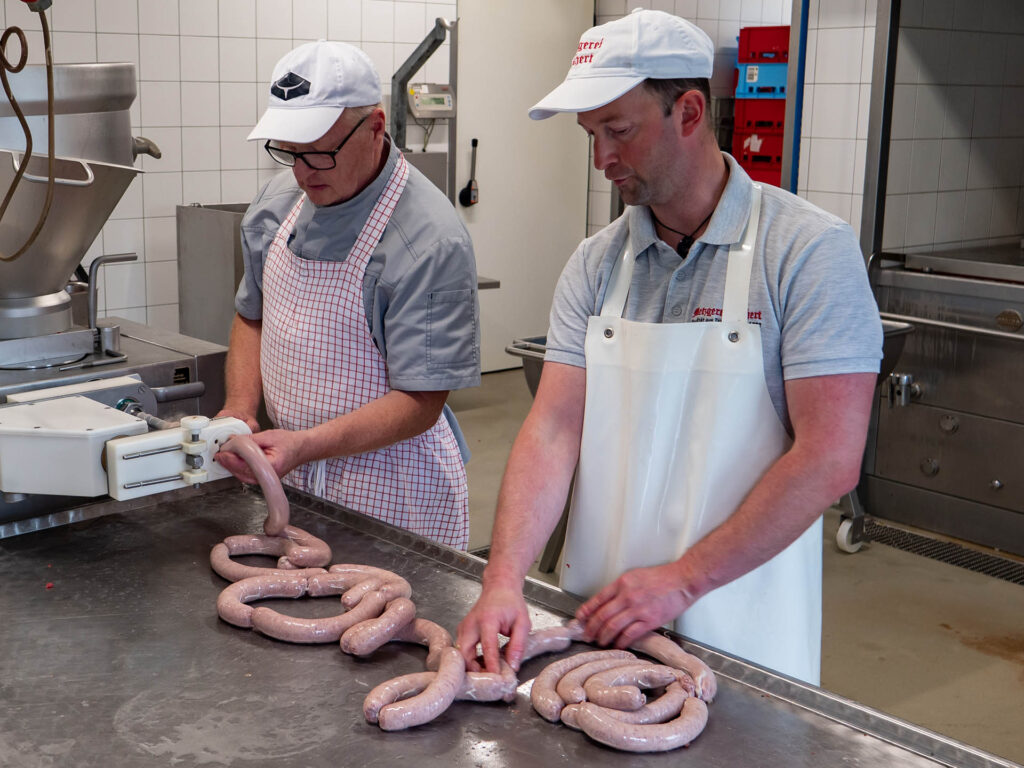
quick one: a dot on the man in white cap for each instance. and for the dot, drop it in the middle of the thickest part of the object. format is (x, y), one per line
(357, 312)
(710, 363)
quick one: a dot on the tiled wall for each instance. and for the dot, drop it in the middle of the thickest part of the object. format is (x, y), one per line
(203, 67)
(837, 92)
(956, 164)
(722, 20)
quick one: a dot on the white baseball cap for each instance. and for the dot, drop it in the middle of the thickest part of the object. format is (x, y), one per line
(311, 86)
(614, 58)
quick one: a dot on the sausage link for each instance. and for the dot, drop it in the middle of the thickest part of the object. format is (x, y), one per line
(303, 550)
(231, 602)
(602, 727)
(477, 686)
(543, 695)
(367, 636)
(552, 639)
(570, 687)
(619, 687)
(434, 699)
(394, 690)
(392, 585)
(490, 686)
(662, 709)
(293, 629)
(427, 633)
(294, 547)
(668, 652)
(277, 503)
(569, 715)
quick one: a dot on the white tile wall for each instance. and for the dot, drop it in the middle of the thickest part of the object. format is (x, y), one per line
(202, 68)
(959, 117)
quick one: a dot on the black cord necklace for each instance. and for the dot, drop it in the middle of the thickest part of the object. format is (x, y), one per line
(683, 246)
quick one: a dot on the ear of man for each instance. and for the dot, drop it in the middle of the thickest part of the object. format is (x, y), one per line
(690, 112)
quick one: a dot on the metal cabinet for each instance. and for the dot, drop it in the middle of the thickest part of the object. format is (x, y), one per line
(209, 268)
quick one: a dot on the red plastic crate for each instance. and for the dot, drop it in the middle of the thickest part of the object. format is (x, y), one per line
(757, 150)
(764, 45)
(759, 115)
(771, 176)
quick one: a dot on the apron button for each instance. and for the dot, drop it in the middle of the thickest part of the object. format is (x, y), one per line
(608, 333)
(733, 336)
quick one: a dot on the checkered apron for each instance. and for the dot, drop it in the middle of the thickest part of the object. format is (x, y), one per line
(319, 361)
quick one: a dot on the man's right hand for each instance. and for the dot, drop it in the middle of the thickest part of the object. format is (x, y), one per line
(498, 610)
(248, 418)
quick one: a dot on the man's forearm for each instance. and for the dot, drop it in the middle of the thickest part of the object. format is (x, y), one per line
(822, 465)
(243, 385)
(389, 419)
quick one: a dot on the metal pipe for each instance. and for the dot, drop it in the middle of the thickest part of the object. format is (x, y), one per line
(951, 326)
(94, 268)
(400, 80)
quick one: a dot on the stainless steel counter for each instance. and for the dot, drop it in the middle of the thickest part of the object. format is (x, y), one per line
(123, 661)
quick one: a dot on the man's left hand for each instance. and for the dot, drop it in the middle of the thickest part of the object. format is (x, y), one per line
(283, 449)
(637, 602)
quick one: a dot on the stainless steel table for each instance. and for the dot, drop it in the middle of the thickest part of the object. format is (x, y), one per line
(123, 662)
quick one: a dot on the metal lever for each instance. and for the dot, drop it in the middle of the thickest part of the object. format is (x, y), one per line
(902, 389)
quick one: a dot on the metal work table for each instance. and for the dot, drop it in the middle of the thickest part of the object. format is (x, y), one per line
(123, 661)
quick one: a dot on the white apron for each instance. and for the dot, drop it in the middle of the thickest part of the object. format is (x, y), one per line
(318, 361)
(678, 428)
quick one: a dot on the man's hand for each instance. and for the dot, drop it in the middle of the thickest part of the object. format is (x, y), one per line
(637, 602)
(248, 418)
(284, 450)
(499, 609)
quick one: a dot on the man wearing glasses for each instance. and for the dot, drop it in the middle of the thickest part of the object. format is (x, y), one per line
(357, 312)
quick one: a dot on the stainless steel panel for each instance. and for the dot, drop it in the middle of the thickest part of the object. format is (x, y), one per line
(91, 107)
(959, 370)
(944, 514)
(128, 640)
(952, 452)
(1002, 262)
(209, 268)
(433, 165)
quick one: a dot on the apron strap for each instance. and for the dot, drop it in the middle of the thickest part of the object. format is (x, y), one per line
(737, 275)
(741, 260)
(618, 282)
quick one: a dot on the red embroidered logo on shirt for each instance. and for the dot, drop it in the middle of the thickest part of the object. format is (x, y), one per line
(714, 314)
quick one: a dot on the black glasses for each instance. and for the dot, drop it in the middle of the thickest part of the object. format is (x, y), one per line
(317, 161)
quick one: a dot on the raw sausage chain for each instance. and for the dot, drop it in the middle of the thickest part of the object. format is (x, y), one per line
(600, 692)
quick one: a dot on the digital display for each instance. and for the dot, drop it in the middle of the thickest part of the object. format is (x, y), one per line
(433, 101)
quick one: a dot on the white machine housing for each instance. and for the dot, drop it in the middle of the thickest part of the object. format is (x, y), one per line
(68, 441)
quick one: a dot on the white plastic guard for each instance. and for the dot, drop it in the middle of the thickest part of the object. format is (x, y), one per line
(156, 462)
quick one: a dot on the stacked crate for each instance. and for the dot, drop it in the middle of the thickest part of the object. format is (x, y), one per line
(760, 109)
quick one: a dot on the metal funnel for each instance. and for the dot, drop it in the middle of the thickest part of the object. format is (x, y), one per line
(95, 151)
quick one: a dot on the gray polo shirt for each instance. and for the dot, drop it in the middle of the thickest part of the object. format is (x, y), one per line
(809, 288)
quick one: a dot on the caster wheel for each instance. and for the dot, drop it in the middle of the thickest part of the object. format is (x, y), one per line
(844, 538)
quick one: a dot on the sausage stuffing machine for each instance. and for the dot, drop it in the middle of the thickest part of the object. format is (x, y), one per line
(78, 395)
(114, 655)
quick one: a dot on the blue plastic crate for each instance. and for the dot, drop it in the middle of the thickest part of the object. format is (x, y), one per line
(761, 81)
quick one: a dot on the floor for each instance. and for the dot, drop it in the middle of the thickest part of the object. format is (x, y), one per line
(927, 642)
